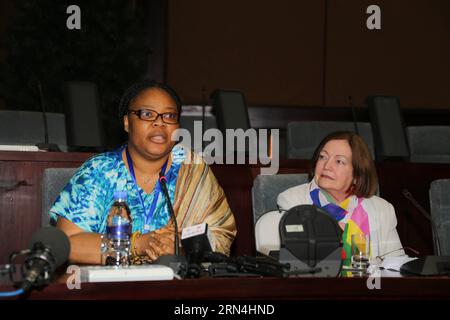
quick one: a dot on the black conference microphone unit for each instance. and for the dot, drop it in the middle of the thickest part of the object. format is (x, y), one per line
(49, 249)
(197, 245)
(46, 145)
(173, 261)
(310, 241)
(428, 265)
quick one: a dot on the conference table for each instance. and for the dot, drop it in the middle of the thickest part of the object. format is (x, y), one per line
(20, 204)
(253, 288)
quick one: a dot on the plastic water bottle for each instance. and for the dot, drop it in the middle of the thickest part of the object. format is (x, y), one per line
(117, 241)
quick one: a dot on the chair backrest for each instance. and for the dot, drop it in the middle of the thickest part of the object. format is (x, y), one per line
(27, 128)
(266, 189)
(53, 181)
(189, 119)
(429, 143)
(84, 123)
(440, 212)
(387, 127)
(230, 109)
(303, 137)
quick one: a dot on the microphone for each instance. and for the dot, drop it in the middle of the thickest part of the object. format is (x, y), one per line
(414, 202)
(162, 180)
(173, 261)
(429, 265)
(355, 120)
(203, 114)
(46, 145)
(49, 249)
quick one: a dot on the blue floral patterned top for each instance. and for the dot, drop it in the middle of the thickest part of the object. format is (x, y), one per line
(88, 196)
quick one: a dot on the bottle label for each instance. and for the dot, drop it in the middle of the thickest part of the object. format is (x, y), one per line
(119, 232)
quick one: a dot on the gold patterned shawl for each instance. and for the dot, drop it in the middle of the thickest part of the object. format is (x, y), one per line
(199, 198)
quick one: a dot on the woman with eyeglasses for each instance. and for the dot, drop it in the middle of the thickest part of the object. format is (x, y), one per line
(344, 184)
(150, 113)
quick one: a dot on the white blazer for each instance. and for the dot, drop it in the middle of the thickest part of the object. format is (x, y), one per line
(382, 220)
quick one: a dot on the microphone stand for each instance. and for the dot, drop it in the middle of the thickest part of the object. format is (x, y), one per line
(173, 261)
(203, 115)
(436, 240)
(46, 145)
(355, 120)
(428, 265)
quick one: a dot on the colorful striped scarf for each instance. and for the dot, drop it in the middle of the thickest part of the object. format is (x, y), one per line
(350, 215)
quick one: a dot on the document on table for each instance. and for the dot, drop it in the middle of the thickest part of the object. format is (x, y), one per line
(5, 147)
(395, 263)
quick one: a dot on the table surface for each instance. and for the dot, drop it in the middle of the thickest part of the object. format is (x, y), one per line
(253, 288)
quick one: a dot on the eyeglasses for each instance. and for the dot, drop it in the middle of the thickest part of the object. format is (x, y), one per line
(381, 258)
(152, 115)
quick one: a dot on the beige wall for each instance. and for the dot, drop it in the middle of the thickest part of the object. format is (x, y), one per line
(275, 51)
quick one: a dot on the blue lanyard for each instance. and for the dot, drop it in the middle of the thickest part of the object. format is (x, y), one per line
(150, 213)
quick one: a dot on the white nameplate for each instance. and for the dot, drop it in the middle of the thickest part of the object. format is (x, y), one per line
(294, 228)
(193, 231)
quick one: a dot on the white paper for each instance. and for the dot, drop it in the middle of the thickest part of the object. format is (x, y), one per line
(23, 148)
(395, 263)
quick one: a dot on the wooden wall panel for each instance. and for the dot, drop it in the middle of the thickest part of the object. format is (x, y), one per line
(311, 53)
(270, 50)
(408, 57)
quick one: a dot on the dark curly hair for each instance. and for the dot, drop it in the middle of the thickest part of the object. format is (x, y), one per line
(134, 90)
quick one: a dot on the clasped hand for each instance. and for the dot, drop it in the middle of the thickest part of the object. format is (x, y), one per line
(159, 242)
